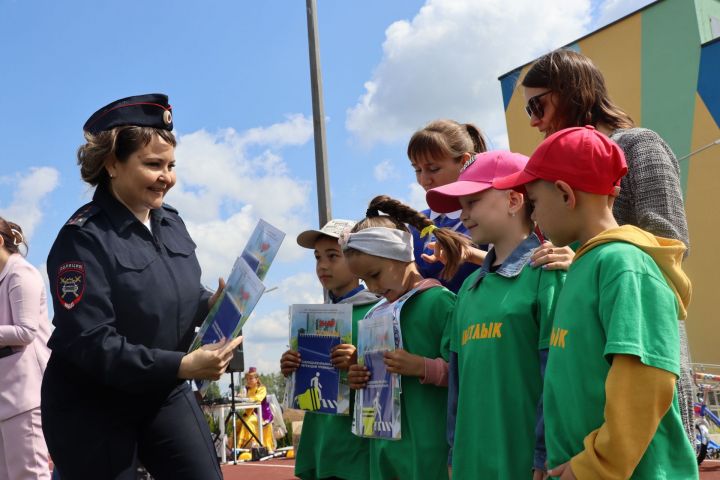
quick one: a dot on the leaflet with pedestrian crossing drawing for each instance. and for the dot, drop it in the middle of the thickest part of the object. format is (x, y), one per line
(377, 406)
(317, 385)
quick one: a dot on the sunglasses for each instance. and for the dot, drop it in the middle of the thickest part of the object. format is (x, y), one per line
(534, 107)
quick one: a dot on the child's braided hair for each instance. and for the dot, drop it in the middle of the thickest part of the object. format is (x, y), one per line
(397, 214)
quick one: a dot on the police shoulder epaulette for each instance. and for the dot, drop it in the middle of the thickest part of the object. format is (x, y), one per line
(82, 214)
(169, 208)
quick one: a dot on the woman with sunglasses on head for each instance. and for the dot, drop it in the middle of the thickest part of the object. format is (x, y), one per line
(125, 284)
(565, 89)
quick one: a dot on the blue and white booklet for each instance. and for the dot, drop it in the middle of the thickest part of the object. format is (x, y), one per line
(262, 247)
(377, 406)
(317, 386)
(242, 292)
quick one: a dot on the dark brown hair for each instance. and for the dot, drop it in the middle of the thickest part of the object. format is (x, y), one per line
(580, 92)
(398, 214)
(445, 138)
(12, 236)
(120, 142)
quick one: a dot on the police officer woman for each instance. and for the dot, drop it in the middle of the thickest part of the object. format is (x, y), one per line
(127, 295)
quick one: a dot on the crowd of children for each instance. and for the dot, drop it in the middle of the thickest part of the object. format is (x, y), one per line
(540, 326)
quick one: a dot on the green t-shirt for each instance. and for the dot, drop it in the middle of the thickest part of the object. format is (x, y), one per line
(422, 451)
(327, 446)
(615, 301)
(497, 329)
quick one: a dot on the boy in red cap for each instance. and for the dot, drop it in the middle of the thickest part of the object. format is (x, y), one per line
(611, 408)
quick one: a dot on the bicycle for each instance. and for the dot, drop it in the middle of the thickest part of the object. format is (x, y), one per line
(705, 447)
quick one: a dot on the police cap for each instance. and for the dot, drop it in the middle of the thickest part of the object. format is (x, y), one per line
(150, 110)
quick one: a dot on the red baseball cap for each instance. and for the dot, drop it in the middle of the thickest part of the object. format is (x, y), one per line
(477, 175)
(581, 156)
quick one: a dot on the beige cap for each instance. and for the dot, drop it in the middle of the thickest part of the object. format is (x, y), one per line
(333, 229)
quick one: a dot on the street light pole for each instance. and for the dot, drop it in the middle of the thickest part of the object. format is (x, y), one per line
(321, 169)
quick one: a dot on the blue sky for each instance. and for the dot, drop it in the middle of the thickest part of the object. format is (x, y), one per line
(237, 76)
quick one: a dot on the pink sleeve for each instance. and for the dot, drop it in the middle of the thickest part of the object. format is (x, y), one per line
(436, 372)
(25, 293)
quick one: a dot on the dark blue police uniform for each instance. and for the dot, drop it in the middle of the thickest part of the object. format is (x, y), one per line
(126, 302)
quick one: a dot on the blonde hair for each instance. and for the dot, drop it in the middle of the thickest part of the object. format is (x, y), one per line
(119, 142)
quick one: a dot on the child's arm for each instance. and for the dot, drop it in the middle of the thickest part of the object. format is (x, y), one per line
(432, 371)
(453, 391)
(637, 398)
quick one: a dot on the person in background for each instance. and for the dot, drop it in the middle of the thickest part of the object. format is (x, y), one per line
(257, 393)
(24, 332)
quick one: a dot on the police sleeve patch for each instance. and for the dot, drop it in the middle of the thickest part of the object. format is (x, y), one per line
(70, 283)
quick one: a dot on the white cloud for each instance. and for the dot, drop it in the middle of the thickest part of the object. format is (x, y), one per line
(417, 197)
(444, 63)
(223, 190)
(30, 190)
(266, 335)
(385, 170)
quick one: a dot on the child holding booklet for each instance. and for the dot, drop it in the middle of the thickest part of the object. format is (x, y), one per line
(610, 398)
(327, 446)
(379, 250)
(501, 326)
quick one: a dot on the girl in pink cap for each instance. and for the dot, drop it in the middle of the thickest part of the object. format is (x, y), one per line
(500, 330)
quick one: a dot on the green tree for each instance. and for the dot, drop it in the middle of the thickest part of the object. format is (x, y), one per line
(213, 392)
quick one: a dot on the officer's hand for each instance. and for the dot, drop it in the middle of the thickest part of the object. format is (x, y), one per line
(218, 292)
(358, 376)
(209, 361)
(289, 362)
(343, 355)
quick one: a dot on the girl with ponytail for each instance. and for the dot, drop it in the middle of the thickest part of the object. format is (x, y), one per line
(379, 250)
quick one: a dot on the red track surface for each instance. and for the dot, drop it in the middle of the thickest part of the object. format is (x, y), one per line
(282, 469)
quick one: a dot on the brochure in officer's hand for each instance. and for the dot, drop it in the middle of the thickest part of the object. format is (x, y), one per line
(262, 247)
(242, 292)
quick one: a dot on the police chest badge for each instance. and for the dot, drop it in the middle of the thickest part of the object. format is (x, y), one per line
(70, 283)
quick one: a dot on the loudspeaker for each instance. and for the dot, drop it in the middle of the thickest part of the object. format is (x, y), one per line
(237, 364)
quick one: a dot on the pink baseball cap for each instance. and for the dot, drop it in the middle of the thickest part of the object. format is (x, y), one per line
(476, 176)
(582, 157)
